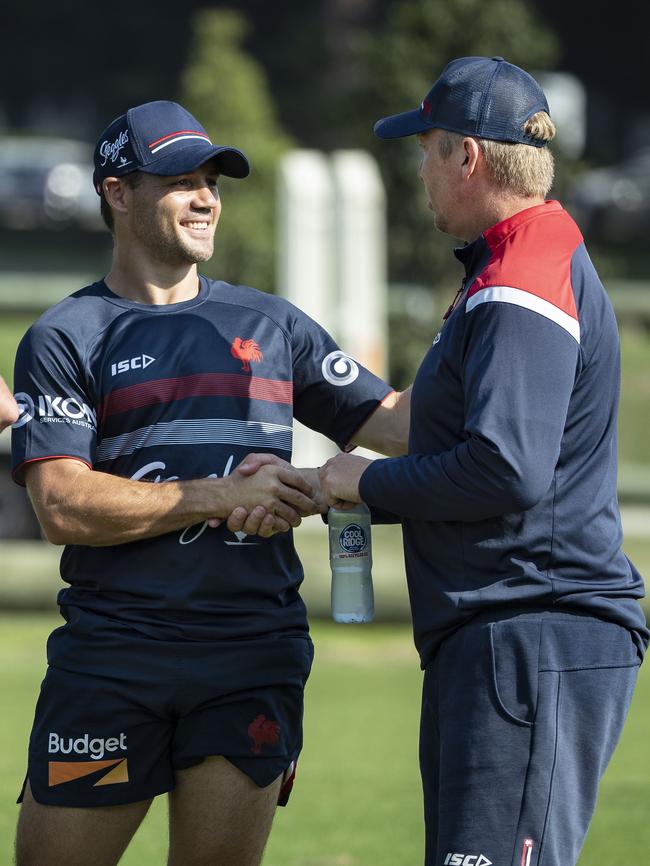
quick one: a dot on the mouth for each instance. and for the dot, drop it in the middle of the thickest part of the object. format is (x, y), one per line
(200, 226)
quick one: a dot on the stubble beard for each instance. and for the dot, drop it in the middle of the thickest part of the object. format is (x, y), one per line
(168, 246)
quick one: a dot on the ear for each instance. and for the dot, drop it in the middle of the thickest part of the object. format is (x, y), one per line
(471, 157)
(115, 193)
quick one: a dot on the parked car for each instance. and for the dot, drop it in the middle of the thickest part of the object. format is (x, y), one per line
(613, 203)
(46, 182)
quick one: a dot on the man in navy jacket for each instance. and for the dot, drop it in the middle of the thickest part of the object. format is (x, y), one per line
(525, 609)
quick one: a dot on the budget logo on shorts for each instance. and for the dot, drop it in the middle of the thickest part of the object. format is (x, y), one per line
(339, 369)
(96, 748)
(353, 538)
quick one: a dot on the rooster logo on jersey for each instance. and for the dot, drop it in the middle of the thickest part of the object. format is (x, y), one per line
(263, 732)
(246, 351)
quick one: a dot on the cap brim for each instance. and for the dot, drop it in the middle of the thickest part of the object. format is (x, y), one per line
(401, 125)
(230, 161)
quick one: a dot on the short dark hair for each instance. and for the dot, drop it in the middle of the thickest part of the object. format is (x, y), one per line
(132, 179)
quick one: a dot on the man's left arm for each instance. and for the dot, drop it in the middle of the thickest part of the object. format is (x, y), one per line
(386, 430)
(518, 375)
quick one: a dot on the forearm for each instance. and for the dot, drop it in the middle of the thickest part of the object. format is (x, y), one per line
(471, 482)
(76, 505)
(387, 429)
(101, 510)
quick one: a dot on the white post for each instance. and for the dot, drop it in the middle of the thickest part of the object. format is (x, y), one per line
(360, 228)
(305, 263)
(332, 259)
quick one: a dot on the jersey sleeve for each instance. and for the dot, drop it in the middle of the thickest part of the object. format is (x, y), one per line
(518, 373)
(333, 394)
(57, 415)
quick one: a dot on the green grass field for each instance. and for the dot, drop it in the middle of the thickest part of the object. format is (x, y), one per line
(357, 798)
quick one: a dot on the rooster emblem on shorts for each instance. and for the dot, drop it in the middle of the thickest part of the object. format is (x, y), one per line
(263, 732)
(246, 351)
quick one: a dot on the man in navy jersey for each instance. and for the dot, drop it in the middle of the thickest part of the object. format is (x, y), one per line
(525, 609)
(181, 664)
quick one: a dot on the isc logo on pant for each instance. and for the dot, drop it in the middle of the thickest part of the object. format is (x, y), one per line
(467, 860)
(140, 362)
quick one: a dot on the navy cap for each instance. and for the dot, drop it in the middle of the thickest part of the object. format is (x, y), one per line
(485, 97)
(160, 138)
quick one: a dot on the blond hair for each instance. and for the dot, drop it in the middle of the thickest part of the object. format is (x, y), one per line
(520, 169)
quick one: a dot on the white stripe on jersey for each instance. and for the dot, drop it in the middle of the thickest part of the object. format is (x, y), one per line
(508, 295)
(201, 431)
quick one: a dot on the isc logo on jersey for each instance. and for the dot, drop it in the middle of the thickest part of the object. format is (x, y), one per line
(467, 860)
(140, 362)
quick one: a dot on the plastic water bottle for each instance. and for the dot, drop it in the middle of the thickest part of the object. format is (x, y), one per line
(351, 564)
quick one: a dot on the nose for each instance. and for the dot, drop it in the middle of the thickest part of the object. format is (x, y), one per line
(207, 196)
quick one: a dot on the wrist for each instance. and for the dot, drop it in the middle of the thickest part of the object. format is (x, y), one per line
(208, 497)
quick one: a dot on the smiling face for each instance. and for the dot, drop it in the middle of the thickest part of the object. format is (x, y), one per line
(174, 218)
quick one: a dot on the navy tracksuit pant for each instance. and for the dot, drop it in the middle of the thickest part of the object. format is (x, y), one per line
(520, 716)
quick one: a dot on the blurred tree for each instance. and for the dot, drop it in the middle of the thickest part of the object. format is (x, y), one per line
(403, 58)
(417, 39)
(227, 90)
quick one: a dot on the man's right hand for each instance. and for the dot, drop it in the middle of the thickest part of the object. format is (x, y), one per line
(275, 497)
(259, 520)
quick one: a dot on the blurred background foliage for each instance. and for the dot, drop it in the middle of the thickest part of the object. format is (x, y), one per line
(269, 77)
(401, 61)
(227, 89)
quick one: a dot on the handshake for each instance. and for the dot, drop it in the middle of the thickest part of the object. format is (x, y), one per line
(268, 495)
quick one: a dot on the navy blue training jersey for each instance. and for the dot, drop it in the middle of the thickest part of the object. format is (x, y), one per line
(508, 493)
(183, 391)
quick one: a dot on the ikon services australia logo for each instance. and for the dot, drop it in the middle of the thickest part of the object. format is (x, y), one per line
(60, 772)
(52, 409)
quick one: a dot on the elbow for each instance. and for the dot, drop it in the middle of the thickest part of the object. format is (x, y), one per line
(396, 447)
(56, 527)
(525, 491)
(55, 533)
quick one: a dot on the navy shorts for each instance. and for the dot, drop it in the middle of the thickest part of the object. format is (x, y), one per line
(520, 716)
(117, 733)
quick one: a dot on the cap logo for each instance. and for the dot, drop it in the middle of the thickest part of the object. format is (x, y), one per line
(173, 137)
(110, 150)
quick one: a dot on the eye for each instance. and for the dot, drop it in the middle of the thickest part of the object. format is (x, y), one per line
(183, 182)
